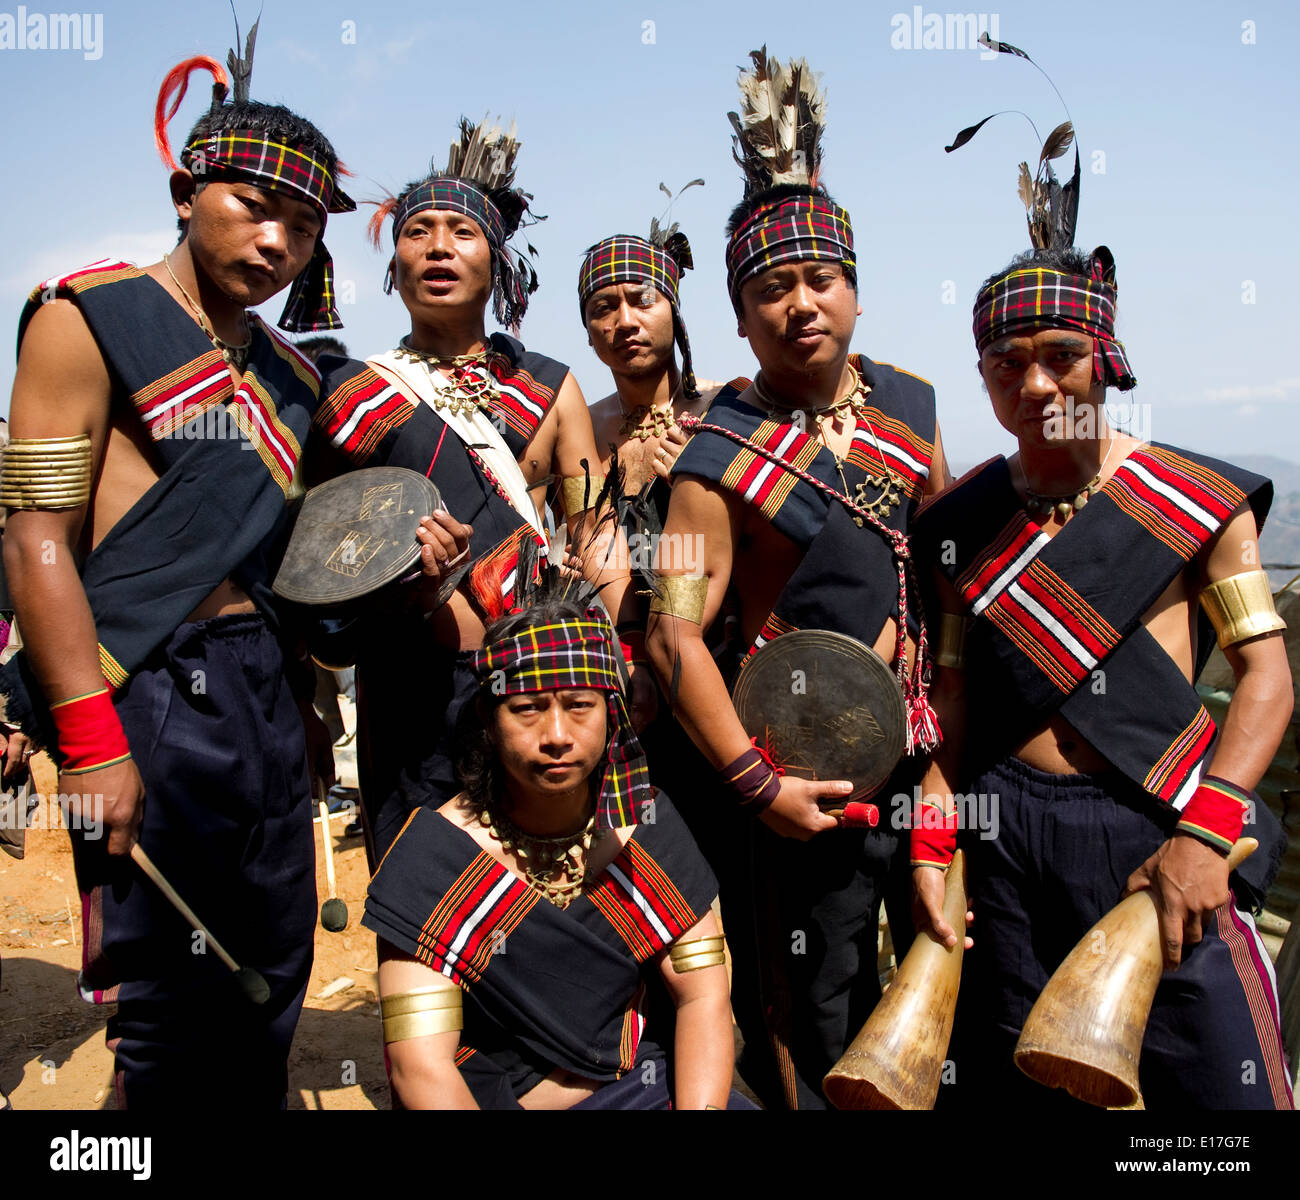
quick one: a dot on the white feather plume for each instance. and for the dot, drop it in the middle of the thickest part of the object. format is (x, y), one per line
(779, 127)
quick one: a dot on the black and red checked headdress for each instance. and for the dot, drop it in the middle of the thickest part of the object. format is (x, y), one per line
(478, 182)
(232, 151)
(575, 653)
(659, 260)
(778, 141)
(1031, 297)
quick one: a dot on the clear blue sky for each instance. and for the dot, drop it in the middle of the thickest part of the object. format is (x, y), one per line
(1195, 120)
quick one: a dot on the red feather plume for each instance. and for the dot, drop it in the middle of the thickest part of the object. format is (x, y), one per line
(488, 575)
(375, 226)
(173, 89)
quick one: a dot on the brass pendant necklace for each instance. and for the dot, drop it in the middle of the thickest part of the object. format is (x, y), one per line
(554, 866)
(234, 355)
(645, 421)
(886, 484)
(847, 405)
(472, 384)
(889, 493)
(1038, 504)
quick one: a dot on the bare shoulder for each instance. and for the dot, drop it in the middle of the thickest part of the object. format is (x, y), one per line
(62, 382)
(1234, 549)
(708, 390)
(605, 411)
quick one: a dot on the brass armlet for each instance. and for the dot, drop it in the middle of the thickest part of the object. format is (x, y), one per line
(682, 596)
(42, 473)
(700, 952)
(578, 493)
(1241, 607)
(951, 648)
(421, 1013)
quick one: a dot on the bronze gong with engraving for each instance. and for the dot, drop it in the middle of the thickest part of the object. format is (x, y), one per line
(825, 706)
(354, 534)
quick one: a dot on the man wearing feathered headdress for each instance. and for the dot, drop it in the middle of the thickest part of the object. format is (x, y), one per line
(802, 485)
(1070, 577)
(488, 421)
(136, 553)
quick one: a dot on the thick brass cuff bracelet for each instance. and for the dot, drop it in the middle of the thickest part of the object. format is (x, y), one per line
(421, 1013)
(681, 596)
(951, 650)
(578, 493)
(42, 473)
(701, 952)
(1241, 607)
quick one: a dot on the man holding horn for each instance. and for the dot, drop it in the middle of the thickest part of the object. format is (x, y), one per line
(1082, 582)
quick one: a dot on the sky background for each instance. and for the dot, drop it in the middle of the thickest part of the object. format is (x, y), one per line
(1185, 111)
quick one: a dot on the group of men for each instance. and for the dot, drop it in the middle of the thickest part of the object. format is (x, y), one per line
(157, 668)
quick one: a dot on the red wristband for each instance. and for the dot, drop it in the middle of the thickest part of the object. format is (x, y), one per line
(90, 734)
(1216, 812)
(633, 644)
(934, 835)
(754, 778)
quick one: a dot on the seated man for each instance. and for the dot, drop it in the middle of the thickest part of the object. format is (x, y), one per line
(556, 902)
(1081, 561)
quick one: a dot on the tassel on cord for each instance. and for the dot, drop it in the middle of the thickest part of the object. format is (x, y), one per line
(173, 89)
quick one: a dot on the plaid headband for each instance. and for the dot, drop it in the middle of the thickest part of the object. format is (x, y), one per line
(1036, 297)
(625, 259)
(796, 229)
(453, 195)
(575, 654)
(513, 277)
(252, 155)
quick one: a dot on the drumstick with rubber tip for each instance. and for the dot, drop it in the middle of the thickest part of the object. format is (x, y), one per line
(333, 913)
(254, 987)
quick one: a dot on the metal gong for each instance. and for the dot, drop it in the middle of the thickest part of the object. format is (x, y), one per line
(354, 534)
(825, 706)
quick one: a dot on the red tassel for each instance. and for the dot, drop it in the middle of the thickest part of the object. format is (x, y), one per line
(178, 82)
(923, 732)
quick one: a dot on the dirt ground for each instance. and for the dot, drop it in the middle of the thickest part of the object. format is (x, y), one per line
(52, 1052)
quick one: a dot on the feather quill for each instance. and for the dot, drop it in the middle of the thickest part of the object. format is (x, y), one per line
(778, 130)
(1051, 210)
(485, 153)
(241, 69)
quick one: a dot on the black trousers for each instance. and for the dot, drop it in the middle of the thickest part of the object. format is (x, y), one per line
(1064, 847)
(227, 819)
(802, 922)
